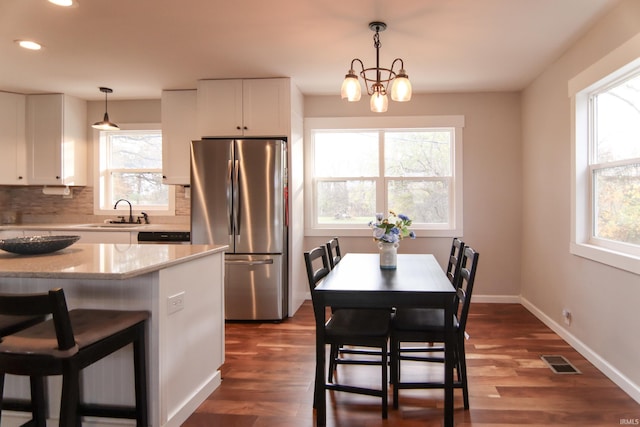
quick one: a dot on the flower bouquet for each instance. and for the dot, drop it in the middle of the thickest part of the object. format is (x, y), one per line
(391, 229)
(388, 232)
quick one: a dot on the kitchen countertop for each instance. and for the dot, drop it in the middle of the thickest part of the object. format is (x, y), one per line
(98, 227)
(113, 261)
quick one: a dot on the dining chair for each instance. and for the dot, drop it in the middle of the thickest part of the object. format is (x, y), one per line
(416, 325)
(335, 355)
(333, 251)
(455, 259)
(351, 327)
(67, 343)
(453, 274)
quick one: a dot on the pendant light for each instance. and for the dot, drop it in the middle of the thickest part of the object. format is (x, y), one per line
(105, 124)
(377, 79)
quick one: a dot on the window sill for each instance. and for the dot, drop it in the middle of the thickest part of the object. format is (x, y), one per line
(366, 232)
(608, 257)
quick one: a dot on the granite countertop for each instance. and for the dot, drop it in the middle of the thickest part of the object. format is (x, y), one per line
(98, 227)
(112, 261)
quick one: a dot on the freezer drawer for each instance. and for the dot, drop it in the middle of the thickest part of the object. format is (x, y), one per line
(254, 287)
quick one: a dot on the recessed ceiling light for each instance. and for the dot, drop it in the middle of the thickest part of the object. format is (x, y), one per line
(29, 44)
(64, 3)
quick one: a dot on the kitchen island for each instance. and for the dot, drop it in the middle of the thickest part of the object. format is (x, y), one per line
(182, 287)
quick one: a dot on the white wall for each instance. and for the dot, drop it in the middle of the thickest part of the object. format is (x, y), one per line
(603, 300)
(492, 182)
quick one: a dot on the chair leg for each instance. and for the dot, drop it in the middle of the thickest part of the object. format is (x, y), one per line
(395, 371)
(462, 370)
(70, 396)
(38, 401)
(140, 367)
(1, 392)
(385, 381)
(333, 355)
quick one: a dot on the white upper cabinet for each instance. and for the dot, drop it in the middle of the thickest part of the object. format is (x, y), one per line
(13, 144)
(56, 140)
(178, 130)
(250, 107)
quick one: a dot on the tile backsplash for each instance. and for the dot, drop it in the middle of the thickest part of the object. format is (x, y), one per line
(28, 205)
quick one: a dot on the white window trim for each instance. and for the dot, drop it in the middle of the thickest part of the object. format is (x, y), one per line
(611, 67)
(387, 122)
(97, 194)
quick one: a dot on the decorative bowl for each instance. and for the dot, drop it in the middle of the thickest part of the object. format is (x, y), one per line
(34, 245)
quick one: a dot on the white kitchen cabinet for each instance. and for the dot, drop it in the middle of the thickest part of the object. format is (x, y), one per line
(56, 140)
(249, 107)
(13, 143)
(178, 130)
(122, 237)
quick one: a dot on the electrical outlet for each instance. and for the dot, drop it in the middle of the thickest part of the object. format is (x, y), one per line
(175, 303)
(566, 315)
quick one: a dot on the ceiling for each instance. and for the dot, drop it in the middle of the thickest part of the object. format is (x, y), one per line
(140, 47)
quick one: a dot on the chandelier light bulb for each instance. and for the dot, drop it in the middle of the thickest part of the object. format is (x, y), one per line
(351, 89)
(401, 88)
(379, 102)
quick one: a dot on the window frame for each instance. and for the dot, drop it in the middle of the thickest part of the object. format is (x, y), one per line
(389, 123)
(617, 65)
(99, 192)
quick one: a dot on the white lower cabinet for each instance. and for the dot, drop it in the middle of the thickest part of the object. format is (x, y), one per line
(124, 237)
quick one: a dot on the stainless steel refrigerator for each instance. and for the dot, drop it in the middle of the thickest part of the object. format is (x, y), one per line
(238, 198)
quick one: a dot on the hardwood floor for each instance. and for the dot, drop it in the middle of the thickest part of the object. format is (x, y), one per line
(269, 368)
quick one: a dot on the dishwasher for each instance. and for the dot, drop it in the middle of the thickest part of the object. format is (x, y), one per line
(166, 237)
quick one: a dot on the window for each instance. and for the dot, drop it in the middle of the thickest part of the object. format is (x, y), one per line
(356, 167)
(130, 167)
(606, 185)
(615, 161)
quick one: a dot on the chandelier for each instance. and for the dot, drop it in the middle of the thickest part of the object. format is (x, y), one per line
(377, 79)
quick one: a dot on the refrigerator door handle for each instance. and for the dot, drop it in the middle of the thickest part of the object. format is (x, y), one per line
(229, 198)
(236, 197)
(250, 262)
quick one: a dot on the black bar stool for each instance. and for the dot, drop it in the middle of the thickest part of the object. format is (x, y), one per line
(69, 342)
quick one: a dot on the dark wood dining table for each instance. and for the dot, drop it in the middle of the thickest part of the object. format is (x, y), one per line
(358, 281)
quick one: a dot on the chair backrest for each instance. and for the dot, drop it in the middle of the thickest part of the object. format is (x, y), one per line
(317, 266)
(42, 304)
(455, 261)
(465, 288)
(333, 251)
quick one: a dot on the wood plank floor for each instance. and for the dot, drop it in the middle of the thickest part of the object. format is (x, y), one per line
(269, 368)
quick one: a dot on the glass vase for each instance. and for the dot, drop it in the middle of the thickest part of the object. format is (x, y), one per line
(388, 255)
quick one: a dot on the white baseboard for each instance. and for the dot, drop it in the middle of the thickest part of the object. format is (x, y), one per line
(607, 369)
(176, 419)
(497, 299)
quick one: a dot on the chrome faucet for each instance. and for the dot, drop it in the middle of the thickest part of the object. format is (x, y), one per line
(130, 209)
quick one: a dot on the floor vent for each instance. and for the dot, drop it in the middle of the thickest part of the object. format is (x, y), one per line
(560, 365)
